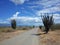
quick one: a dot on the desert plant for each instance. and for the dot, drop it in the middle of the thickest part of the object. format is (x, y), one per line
(13, 24)
(47, 21)
(40, 27)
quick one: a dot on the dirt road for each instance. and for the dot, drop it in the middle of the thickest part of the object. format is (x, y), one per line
(27, 38)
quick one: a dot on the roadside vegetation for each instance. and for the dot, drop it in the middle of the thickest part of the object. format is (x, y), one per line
(50, 32)
(53, 36)
(7, 32)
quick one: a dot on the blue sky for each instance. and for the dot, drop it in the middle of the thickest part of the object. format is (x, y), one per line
(28, 12)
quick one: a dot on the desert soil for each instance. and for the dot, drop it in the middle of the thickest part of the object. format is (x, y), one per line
(52, 38)
(4, 35)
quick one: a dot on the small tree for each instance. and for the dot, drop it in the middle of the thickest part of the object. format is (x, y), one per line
(13, 24)
(48, 22)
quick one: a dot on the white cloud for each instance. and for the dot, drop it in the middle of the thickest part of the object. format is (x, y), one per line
(16, 14)
(46, 3)
(49, 10)
(4, 22)
(18, 1)
(34, 6)
(50, 6)
(56, 16)
(38, 2)
(25, 18)
(50, 3)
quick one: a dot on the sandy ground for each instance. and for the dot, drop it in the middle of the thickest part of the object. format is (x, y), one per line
(8, 35)
(52, 38)
(28, 38)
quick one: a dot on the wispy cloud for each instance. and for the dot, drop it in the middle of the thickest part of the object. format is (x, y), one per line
(50, 3)
(50, 6)
(17, 2)
(49, 10)
(56, 16)
(45, 3)
(46, 6)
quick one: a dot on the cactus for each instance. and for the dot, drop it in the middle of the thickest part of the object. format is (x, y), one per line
(13, 24)
(47, 21)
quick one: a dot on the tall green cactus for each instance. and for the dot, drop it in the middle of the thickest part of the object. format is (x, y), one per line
(13, 24)
(47, 21)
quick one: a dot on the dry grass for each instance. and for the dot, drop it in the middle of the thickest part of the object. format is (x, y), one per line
(52, 38)
(7, 35)
(8, 32)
